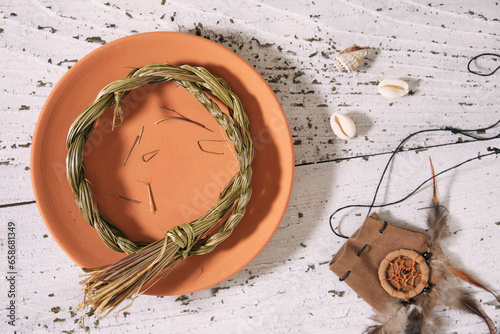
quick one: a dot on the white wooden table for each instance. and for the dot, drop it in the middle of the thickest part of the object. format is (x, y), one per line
(288, 288)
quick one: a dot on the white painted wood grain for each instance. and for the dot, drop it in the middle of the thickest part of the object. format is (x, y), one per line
(288, 288)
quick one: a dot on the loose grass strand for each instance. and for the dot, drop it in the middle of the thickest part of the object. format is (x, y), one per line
(129, 152)
(140, 135)
(182, 118)
(150, 155)
(152, 206)
(210, 140)
(123, 197)
(106, 287)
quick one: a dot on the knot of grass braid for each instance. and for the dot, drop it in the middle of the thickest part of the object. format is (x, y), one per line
(106, 287)
(183, 236)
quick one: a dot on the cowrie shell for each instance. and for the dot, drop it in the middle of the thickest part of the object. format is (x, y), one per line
(343, 126)
(393, 88)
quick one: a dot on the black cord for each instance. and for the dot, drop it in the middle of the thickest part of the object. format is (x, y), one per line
(465, 132)
(450, 129)
(481, 55)
(494, 151)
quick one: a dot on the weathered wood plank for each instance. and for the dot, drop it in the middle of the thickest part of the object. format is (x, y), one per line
(288, 287)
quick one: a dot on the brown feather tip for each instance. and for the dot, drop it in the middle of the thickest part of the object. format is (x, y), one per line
(459, 299)
(434, 184)
(471, 280)
(470, 305)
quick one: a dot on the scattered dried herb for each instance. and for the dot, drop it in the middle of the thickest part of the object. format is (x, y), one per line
(152, 206)
(150, 155)
(128, 155)
(209, 140)
(140, 136)
(123, 197)
(182, 118)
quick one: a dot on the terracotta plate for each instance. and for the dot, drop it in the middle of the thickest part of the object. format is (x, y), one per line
(185, 180)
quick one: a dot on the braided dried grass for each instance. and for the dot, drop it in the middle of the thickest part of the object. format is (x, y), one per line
(105, 288)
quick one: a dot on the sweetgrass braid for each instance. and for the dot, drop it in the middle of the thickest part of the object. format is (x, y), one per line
(192, 238)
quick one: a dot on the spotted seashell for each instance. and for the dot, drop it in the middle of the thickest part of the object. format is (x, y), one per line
(349, 59)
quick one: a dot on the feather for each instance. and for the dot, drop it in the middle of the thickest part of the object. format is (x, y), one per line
(421, 319)
(436, 222)
(469, 304)
(415, 322)
(375, 329)
(432, 325)
(434, 184)
(471, 280)
(392, 320)
(437, 219)
(456, 297)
